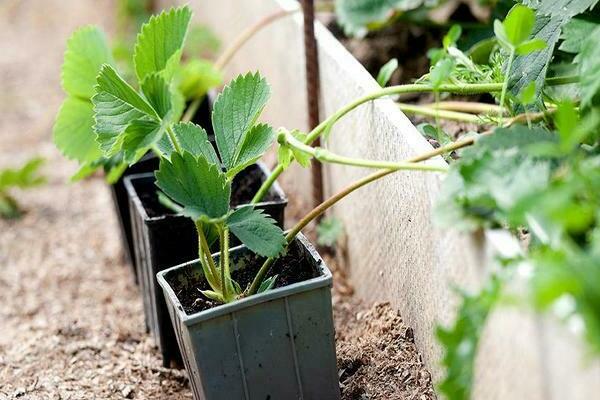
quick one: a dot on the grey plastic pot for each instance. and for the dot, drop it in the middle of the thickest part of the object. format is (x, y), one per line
(161, 241)
(275, 345)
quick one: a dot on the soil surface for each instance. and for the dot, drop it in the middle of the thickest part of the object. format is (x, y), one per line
(71, 318)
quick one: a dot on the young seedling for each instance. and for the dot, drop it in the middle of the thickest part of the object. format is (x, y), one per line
(198, 180)
(105, 122)
(25, 177)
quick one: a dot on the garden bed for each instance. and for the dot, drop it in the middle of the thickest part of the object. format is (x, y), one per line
(398, 254)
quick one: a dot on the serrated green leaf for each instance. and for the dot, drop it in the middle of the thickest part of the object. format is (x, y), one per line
(385, 73)
(589, 70)
(73, 130)
(533, 66)
(256, 142)
(563, 8)
(199, 186)
(257, 231)
(157, 93)
(87, 50)
(193, 139)
(116, 105)
(235, 112)
(24, 177)
(160, 42)
(575, 33)
(197, 77)
(139, 135)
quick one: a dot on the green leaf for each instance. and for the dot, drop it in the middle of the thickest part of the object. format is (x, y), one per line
(441, 71)
(267, 284)
(87, 50)
(194, 139)
(452, 36)
(589, 70)
(527, 95)
(385, 73)
(157, 93)
(256, 143)
(197, 77)
(562, 8)
(257, 231)
(329, 231)
(518, 24)
(575, 33)
(73, 131)
(285, 154)
(23, 177)
(199, 186)
(460, 341)
(159, 44)
(530, 46)
(235, 112)
(355, 15)
(139, 135)
(116, 105)
(533, 66)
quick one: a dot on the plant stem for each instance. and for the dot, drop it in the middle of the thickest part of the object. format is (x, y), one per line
(226, 266)
(205, 251)
(439, 113)
(173, 140)
(234, 47)
(208, 273)
(191, 110)
(223, 251)
(505, 84)
(325, 155)
(466, 106)
(473, 88)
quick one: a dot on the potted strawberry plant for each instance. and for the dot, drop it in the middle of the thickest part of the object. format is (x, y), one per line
(81, 133)
(164, 236)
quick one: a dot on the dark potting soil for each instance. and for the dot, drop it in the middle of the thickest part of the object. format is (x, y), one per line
(244, 187)
(295, 266)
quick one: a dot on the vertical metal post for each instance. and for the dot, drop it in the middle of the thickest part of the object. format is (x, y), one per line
(312, 91)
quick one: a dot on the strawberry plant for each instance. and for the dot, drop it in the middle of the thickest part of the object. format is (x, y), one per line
(105, 122)
(25, 177)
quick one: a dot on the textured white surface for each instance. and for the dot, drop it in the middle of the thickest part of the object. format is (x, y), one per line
(395, 253)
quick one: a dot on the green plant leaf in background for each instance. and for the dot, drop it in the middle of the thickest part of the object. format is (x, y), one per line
(257, 231)
(589, 70)
(575, 33)
(25, 177)
(355, 15)
(197, 77)
(199, 186)
(386, 71)
(565, 8)
(329, 231)
(235, 112)
(160, 43)
(87, 50)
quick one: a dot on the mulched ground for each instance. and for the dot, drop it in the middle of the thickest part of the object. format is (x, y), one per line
(71, 320)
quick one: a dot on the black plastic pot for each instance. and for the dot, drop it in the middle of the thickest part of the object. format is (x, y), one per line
(275, 345)
(148, 163)
(163, 239)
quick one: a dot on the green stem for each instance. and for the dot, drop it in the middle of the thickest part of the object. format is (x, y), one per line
(438, 113)
(192, 108)
(466, 107)
(209, 274)
(505, 85)
(226, 265)
(473, 88)
(325, 155)
(173, 140)
(223, 251)
(205, 251)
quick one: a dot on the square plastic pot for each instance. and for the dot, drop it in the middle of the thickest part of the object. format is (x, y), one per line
(161, 241)
(275, 345)
(148, 163)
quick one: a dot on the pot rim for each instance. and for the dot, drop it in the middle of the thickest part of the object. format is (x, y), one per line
(323, 280)
(132, 193)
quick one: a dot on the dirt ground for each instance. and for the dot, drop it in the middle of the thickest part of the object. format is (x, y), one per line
(71, 320)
